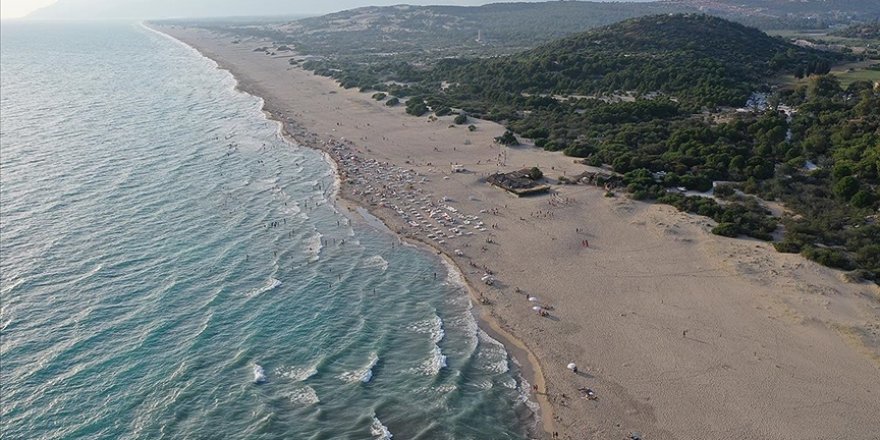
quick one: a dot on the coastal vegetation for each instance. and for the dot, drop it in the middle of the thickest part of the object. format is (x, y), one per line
(650, 98)
(653, 99)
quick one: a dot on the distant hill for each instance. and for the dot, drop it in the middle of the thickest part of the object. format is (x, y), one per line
(866, 31)
(499, 20)
(403, 27)
(698, 58)
(780, 8)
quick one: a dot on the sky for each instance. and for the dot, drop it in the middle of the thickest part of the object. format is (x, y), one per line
(20, 8)
(189, 8)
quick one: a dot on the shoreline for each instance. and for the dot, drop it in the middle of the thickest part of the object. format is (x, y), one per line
(530, 367)
(654, 310)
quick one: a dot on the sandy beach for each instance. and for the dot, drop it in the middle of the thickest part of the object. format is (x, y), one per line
(680, 334)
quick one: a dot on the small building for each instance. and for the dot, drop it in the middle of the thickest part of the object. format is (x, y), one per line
(518, 183)
(605, 179)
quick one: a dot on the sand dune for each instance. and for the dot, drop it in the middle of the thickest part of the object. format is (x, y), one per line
(681, 334)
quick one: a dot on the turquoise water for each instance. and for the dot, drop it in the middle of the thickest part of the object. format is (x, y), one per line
(172, 268)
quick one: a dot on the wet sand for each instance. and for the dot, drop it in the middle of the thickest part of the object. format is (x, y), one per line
(680, 333)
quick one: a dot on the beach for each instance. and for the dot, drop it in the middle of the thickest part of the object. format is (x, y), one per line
(677, 333)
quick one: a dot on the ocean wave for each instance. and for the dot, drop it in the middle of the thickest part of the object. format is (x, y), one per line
(314, 245)
(380, 431)
(492, 354)
(524, 389)
(271, 284)
(82, 278)
(376, 261)
(484, 384)
(444, 388)
(304, 395)
(508, 382)
(453, 276)
(432, 326)
(259, 374)
(205, 324)
(292, 208)
(435, 363)
(299, 373)
(363, 374)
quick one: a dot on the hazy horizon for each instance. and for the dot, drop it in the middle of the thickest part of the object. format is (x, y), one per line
(159, 9)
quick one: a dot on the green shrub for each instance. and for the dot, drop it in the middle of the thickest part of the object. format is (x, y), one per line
(536, 174)
(508, 138)
(724, 191)
(863, 199)
(726, 230)
(787, 247)
(828, 257)
(460, 119)
(416, 108)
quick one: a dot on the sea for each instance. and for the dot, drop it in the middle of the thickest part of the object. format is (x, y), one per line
(173, 268)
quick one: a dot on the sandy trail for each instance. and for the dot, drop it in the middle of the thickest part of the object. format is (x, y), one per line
(682, 334)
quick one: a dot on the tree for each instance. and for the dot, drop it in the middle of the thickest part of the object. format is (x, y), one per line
(508, 138)
(536, 174)
(416, 107)
(823, 86)
(846, 187)
(460, 119)
(862, 199)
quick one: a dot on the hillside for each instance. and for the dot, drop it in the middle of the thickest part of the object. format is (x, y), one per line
(865, 31)
(506, 25)
(701, 59)
(782, 8)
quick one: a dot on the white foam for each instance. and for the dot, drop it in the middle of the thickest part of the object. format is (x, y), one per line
(363, 374)
(271, 284)
(380, 431)
(484, 384)
(259, 374)
(493, 354)
(508, 382)
(298, 373)
(524, 390)
(304, 395)
(376, 261)
(204, 325)
(314, 246)
(453, 276)
(435, 363)
(445, 388)
(292, 208)
(432, 326)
